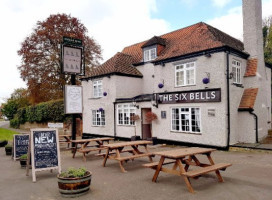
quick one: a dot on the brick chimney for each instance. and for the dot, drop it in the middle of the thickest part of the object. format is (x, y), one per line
(252, 25)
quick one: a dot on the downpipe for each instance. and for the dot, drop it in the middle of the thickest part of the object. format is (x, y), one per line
(256, 125)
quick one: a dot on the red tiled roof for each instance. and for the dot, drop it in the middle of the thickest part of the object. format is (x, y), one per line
(195, 38)
(248, 98)
(251, 68)
(120, 63)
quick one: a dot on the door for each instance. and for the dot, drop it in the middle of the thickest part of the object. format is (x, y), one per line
(146, 126)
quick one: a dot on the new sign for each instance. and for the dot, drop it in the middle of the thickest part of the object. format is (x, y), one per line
(195, 96)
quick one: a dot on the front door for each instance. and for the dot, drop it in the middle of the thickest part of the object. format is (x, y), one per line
(146, 126)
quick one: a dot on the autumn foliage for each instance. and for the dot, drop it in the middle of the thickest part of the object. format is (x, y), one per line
(40, 56)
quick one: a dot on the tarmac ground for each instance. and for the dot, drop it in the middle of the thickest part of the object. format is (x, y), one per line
(249, 178)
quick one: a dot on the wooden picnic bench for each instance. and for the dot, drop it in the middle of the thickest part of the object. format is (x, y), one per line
(187, 157)
(118, 150)
(85, 149)
(65, 139)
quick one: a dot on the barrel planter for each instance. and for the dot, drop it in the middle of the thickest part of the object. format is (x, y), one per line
(8, 150)
(74, 187)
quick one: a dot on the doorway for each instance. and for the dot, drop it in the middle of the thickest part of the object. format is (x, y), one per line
(146, 126)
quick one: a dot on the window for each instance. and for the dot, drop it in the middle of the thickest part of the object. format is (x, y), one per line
(150, 54)
(98, 118)
(185, 74)
(125, 112)
(97, 88)
(236, 72)
(186, 120)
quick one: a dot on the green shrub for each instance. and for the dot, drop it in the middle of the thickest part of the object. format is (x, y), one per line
(15, 123)
(8, 146)
(73, 173)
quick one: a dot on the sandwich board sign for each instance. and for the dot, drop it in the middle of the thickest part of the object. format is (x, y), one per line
(20, 145)
(45, 153)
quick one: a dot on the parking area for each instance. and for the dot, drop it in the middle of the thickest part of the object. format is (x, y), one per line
(249, 177)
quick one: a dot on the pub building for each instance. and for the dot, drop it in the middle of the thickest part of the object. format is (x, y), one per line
(201, 86)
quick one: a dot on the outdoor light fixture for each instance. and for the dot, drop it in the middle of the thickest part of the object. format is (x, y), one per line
(208, 55)
(134, 104)
(154, 101)
(230, 75)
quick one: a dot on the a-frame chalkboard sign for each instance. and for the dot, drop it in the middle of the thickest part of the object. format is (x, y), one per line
(20, 145)
(45, 153)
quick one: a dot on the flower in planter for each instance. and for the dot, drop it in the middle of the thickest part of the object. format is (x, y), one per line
(206, 80)
(100, 109)
(150, 116)
(105, 94)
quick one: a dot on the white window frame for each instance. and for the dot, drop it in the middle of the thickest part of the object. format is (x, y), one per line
(186, 68)
(98, 118)
(190, 125)
(236, 72)
(150, 54)
(124, 113)
(97, 88)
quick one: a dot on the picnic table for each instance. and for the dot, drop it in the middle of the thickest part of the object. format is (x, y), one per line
(115, 150)
(187, 157)
(85, 148)
(65, 139)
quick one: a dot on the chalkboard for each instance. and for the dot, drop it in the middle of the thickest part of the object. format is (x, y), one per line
(45, 153)
(20, 144)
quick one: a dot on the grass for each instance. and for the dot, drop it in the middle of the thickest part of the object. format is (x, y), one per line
(6, 134)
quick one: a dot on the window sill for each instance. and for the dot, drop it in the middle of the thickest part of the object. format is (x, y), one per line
(178, 86)
(98, 125)
(238, 85)
(187, 133)
(94, 98)
(126, 125)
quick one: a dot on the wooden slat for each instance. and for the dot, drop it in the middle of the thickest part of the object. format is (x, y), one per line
(111, 153)
(206, 170)
(123, 144)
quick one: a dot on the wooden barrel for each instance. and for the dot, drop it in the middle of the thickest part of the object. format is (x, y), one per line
(74, 187)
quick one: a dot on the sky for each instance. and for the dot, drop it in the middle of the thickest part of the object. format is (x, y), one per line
(114, 24)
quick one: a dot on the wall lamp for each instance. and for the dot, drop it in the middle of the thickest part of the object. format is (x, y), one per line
(134, 104)
(208, 55)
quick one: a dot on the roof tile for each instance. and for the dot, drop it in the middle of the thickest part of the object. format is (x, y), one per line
(248, 98)
(251, 68)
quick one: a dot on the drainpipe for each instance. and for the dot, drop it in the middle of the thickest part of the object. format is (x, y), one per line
(114, 119)
(228, 101)
(256, 125)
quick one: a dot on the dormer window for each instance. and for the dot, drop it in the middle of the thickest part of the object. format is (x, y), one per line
(150, 54)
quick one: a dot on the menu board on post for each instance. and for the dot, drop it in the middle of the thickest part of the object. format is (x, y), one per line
(20, 144)
(45, 154)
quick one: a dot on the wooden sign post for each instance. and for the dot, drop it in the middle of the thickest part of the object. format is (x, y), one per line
(20, 145)
(45, 153)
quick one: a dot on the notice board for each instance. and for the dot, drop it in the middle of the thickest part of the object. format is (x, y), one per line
(45, 153)
(20, 145)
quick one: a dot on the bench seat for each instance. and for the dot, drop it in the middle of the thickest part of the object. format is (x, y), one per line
(111, 153)
(155, 164)
(86, 150)
(205, 170)
(134, 156)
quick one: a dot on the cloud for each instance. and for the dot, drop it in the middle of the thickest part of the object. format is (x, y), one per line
(220, 3)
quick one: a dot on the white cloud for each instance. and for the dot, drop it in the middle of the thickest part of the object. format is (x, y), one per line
(220, 3)
(114, 24)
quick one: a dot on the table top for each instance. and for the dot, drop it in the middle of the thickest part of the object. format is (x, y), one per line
(92, 139)
(123, 144)
(65, 136)
(179, 153)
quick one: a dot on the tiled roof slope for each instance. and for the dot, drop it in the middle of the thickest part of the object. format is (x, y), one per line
(248, 98)
(251, 68)
(154, 40)
(194, 38)
(120, 63)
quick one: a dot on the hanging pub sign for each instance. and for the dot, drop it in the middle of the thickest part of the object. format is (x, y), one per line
(72, 56)
(20, 144)
(45, 153)
(193, 96)
(73, 99)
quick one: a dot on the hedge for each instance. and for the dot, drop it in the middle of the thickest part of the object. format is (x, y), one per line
(52, 111)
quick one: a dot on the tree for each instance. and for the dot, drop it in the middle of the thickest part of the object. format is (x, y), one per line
(19, 99)
(40, 64)
(267, 37)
